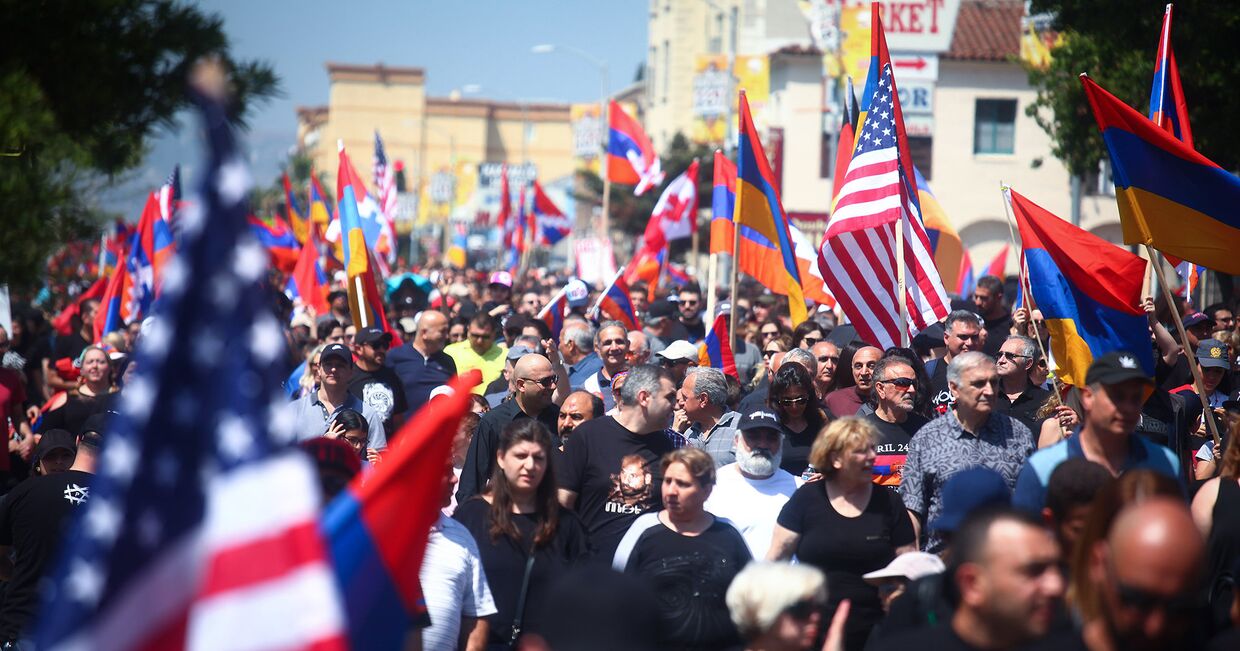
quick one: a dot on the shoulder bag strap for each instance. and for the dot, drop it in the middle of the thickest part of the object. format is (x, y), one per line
(520, 610)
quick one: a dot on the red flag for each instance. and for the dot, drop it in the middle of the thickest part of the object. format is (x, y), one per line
(63, 323)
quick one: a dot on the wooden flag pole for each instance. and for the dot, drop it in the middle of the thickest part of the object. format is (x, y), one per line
(711, 279)
(901, 298)
(1206, 414)
(736, 256)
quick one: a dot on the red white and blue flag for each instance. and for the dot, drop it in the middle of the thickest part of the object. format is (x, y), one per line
(614, 301)
(200, 528)
(170, 195)
(385, 186)
(631, 159)
(1168, 107)
(553, 312)
(551, 223)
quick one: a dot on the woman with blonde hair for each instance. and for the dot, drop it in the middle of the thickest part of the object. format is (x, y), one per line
(844, 525)
(778, 607)
(93, 395)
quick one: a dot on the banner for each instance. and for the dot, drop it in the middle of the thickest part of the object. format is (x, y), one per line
(712, 93)
(596, 263)
(588, 129)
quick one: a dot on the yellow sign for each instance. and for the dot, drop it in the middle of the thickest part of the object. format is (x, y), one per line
(715, 96)
(855, 44)
(588, 133)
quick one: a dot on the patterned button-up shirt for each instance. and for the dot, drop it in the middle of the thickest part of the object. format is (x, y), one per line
(943, 448)
(719, 441)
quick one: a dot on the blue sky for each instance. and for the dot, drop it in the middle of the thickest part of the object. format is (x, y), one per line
(458, 42)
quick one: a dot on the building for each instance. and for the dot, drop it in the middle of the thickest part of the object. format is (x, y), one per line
(964, 94)
(452, 148)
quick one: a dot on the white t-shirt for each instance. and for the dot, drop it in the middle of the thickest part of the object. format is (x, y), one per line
(751, 505)
(453, 584)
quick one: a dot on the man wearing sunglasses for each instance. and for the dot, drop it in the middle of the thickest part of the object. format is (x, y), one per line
(895, 390)
(1017, 396)
(691, 313)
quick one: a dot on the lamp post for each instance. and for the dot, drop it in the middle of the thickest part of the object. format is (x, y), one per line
(603, 110)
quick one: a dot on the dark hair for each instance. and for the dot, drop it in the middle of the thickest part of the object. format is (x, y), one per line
(323, 329)
(545, 496)
(480, 401)
(921, 401)
(1212, 309)
(483, 321)
(795, 375)
(807, 326)
(597, 408)
(458, 321)
(513, 325)
(1074, 483)
(843, 368)
(992, 283)
(734, 391)
(350, 419)
(970, 541)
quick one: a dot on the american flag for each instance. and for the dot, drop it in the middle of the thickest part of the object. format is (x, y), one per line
(201, 527)
(857, 254)
(385, 185)
(170, 194)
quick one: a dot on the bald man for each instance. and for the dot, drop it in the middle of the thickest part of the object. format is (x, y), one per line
(846, 401)
(423, 365)
(578, 407)
(534, 384)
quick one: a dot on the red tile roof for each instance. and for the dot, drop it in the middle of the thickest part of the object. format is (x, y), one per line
(987, 30)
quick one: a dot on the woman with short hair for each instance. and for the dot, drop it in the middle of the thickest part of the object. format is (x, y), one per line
(778, 606)
(688, 556)
(843, 525)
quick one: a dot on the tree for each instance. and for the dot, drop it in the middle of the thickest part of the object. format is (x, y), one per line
(1116, 42)
(83, 86)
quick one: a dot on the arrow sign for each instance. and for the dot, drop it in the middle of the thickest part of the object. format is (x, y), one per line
(915, 66)
(916, 63)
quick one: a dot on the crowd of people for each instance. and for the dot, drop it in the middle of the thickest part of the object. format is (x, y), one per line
(609, 491)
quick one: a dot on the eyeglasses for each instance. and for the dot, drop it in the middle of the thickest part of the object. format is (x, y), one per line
(1003, 354)
(901, 382)
(803, 609)
(357, 442)
(546, 382)
(793, 402)
(769, 353)
(809, 342)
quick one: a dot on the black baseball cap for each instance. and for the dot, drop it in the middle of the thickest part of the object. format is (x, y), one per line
(372, 335)
(1115, 367)
(1195, 318)
(340, 351)
(660, 310)
(54, 439)
(760, 419)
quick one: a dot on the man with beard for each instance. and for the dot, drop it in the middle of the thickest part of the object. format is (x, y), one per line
(578, 407)
(376, 385)
(751, 492)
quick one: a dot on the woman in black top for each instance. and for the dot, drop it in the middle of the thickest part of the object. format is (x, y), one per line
(92, 396)
(519, 515)
(793, 399)
(1216, 509)
(843, 526)
(688, 556)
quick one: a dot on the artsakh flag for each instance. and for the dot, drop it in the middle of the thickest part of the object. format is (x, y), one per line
(616, 304)
(715, 350)
(553, 312)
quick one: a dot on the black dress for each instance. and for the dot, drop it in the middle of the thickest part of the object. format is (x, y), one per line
(504, 563)
(73, 414)
(1223, 548)
(846, 548)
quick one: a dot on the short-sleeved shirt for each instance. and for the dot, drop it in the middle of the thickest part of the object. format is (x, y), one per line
(312, 418)
(751, 505)
(491, 363)
(891, 448)
(600, 385)
(382, 391)
(844, 402)
(68, 346)
(719, 441)
(1030, 491)
(419, 374)
(32, 520)
(943, 448)
(616, 476)
(584, 369)
(453, 583)
(1025, 407)
(690, 576)
(845, 548)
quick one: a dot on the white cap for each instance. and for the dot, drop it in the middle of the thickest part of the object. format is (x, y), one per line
(909, 565)
(679, 349)
(577, 292)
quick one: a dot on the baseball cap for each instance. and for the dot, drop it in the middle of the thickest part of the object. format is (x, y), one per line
(659, 310)
(724, 307)
(1116, 367)
(967, 491)
(54, 439)
(339, 351)
(766, 300)
(372, 335)
(502, 278)
(909, 565)
(1195, 318)
(760, 419)
(678, 350)
(577, 293)
(1212, 353)
(335, 454)
(517, 352)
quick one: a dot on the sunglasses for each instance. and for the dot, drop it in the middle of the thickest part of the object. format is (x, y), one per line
(792, 402)
(803, 609)
(669, 363)
(902, 382)
(810, 341)
(1012, 357)
(769, 353)
(771, 333)
(546, 382)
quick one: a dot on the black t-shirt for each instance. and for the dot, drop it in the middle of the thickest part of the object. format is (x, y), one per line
(796, 448)
(696, 330)
(77, 408)
(616, 476)
(504, 564)
(690, 575)
(997, 330)
(891, 447)
(1025, 407)
(383, 391)
(32, 520)
(941, 400)
(1172, 376)
(846, 548)
(70, 345)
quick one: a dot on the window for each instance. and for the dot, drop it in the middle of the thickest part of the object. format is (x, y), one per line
(667, 67)
(921, 150)
(1099, 183)
(994, 126)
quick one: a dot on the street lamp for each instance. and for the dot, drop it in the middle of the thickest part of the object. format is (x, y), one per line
(604, 93)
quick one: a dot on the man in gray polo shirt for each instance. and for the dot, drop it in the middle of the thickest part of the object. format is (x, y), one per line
(315, 411)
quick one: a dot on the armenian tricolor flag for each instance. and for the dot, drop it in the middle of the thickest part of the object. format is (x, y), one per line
(296, 217)
(1170, 197)
(365, 300)
(722, 205)
(279, 241)
(615, 303)
(631, 159)
(308, 283)
(1168, 108)
(1089, 291)
(758, 207)
(945, 242)
(715, 350)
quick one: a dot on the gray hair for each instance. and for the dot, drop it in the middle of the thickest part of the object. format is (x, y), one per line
(959, 316)
(529, 341)
(880, 368)
(711, 382)
(645, 341)
(644, 377)
(609, 324)
(802, 357)
(763, 590)
(581, 335)
(1028, 347)
(965, 361)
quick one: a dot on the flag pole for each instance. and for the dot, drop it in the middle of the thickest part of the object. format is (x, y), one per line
(605, 115)
(711, 279)
(901, 297)
(1192, 364)
(598, 302)
(736, 258)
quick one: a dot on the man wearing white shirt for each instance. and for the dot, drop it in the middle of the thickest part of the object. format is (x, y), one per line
(751, 492)
(454, 585)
